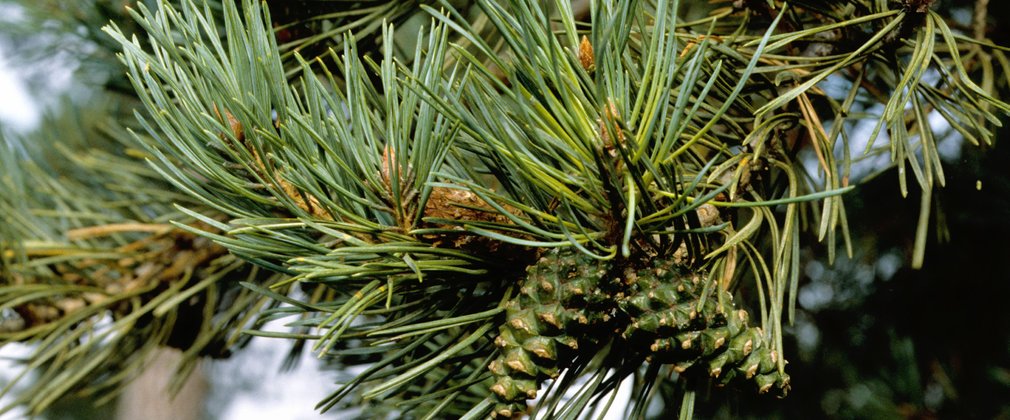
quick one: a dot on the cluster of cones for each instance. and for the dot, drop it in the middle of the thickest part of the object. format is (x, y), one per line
(571, 304)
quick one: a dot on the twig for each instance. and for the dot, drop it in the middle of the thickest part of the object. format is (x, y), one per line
(979, 20)
(103, 230)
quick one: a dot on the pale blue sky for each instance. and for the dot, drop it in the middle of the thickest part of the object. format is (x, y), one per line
(17, 109)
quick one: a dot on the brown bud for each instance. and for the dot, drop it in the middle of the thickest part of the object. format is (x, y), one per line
(386, 171)
(586, 56)
(708, 215)
(233, 124)
(610, 113)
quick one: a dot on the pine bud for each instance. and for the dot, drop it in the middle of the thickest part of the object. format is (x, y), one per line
(586, 56)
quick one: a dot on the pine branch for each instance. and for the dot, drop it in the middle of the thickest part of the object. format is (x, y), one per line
(531, 194)
(95, 283)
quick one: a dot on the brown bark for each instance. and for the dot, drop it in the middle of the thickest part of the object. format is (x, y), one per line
(148, 398)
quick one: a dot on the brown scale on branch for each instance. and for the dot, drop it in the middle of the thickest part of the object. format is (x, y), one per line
(611, 163)
(455, 204)
(305, 201)
(918, 6)
(458, 204)
(448, 208)
(464, 206)
(586, 55)
(403, 207)
(149, 265)
(611, 117)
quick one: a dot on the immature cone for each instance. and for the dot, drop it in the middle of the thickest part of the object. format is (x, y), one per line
(694, 325)
(563, 307)
(570, 303)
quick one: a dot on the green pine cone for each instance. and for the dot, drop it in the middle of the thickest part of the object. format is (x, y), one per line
(564, 303)
(678, 320)
(570, 303)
